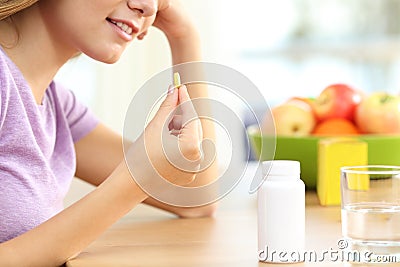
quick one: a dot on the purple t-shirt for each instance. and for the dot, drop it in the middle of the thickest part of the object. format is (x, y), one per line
(37, 156)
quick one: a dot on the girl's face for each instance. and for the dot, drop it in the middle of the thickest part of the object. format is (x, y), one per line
(100, 29)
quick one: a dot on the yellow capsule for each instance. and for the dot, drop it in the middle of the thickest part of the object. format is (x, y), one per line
(177, 80)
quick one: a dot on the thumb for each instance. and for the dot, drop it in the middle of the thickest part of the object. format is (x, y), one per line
(189, 113)
(169, 104)
(186, 105)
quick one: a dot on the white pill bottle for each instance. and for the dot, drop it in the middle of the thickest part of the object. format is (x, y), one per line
(281, 213)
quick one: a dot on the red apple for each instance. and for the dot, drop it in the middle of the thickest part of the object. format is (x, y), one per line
(337, 101)
(379, 113)
(293, 118)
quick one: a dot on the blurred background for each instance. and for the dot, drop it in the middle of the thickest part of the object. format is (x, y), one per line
(286, 47)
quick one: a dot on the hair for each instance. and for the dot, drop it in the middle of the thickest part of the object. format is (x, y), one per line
(10, 7)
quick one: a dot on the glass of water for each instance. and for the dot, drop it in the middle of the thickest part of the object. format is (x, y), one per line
(371, 211)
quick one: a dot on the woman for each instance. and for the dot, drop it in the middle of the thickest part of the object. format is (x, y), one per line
(47, 137)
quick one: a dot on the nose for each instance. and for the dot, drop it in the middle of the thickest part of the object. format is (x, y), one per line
(145, 7)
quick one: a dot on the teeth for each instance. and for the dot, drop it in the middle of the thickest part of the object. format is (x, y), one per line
(123, 26)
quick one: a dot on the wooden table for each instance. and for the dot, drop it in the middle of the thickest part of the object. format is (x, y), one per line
(148, 237)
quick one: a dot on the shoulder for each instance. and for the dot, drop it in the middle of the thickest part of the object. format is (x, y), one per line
(78, 116)
(62, 97)
(58, 91)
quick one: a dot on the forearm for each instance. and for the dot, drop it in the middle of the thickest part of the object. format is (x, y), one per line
(186, 48)
(64, 235)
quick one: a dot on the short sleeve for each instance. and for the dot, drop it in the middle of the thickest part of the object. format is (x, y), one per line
(80, 118)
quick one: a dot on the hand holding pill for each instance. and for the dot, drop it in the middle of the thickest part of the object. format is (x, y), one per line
(174, 152)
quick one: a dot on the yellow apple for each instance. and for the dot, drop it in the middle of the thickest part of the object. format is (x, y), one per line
(293, 118)
(379, 113)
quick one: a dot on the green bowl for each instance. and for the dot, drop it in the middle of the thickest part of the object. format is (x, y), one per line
(382, 149)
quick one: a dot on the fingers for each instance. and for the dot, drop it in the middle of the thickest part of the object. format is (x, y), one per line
(177, 117)
(175, 125)
(163, 4)
(178, 113)
(142, 35)
(184, 114)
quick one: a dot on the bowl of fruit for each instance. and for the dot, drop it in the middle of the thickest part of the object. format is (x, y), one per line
(339, 110)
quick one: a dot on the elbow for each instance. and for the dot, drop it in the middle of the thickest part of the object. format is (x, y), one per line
(198, 212)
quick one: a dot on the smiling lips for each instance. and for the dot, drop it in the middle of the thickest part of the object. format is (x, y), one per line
(128, 29)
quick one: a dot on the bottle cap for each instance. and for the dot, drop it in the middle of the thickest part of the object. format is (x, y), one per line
(281, 167)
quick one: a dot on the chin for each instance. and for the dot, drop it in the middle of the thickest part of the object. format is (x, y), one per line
(111, 60)
(108, 60)
(109, 57)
